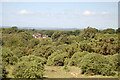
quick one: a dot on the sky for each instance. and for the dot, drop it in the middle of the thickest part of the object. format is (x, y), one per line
(100, 15)
(59, 0)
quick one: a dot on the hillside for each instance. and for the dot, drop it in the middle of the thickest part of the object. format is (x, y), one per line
(87, 53)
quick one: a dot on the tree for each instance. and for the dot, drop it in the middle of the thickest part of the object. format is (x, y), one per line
(109, 30)
(49, 32)
(77, 32)
(64, 39)
(118, 30)
(13, 29)
(56, 35)
(89, 32)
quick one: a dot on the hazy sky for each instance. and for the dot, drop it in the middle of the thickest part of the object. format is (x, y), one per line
(60, 0)
(100, 15)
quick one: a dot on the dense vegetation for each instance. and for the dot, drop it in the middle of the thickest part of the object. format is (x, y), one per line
(94, 51)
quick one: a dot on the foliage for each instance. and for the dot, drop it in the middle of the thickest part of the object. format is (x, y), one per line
(84, 46)
(59, 60)
(33, 42)
(76, 58)
(114, 60)
(29, 67)
(13, 29)
(96, 64)
(8, 57)
(32, 58)
(56, 35)
(63, 48)
(89, 32)
(4, 72)
(118, 30)
(56, 59)
(109, 30)
(28, 70)
(106, 44)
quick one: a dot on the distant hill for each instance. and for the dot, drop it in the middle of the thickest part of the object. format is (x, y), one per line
(61, 29)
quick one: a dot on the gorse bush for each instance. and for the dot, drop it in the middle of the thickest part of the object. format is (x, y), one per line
(28, 70)
(66, 61)
(56, 59)
(32, 58)
(29, 67)
(114, 60)
(59, 60)
(76, 58)
(96, 64)
(50, 59)
(106, 44)
(8, 57)
(4, 72)
(84, 46)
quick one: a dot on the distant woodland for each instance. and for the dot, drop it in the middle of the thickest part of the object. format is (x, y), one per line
(94, 51)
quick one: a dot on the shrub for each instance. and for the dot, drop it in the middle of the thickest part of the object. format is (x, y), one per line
(56, 59)
(66, 62)
(29, 67)
(4, 72)
(8, 57)
(19, 52)
(96, 64)
(50, 61)
(76, 58)
(108, 30)
(33, 58)
(28, 70)
(59, 60)
(114, 60)
(84, 46)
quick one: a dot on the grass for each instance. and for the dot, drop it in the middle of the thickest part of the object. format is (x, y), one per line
(74, 72)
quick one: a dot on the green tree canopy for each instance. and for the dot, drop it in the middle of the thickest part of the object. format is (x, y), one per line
(109, 30)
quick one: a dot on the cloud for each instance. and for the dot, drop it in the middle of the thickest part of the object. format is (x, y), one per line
(104, 13)
(24, 12)
(4, 0)
(88, 13)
